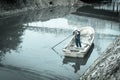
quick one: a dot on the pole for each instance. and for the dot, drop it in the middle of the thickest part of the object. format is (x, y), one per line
(61, 41)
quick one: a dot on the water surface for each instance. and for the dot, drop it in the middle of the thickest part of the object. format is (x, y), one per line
(26, 49)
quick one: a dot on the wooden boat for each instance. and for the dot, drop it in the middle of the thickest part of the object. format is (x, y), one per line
(87, 38)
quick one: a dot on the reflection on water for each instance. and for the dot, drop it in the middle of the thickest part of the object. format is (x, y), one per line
(78, 61)
(25, 47)
(10, 38)
(18, 73)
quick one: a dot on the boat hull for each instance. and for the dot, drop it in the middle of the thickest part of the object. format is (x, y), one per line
(87, 38)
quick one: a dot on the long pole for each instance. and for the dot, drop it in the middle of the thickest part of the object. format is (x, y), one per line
(61, 41)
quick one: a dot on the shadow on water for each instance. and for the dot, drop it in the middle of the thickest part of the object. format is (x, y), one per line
(109, 11)
(11, 30)
(10, 38)
(78, 61)
(18, 73)
(38, 15)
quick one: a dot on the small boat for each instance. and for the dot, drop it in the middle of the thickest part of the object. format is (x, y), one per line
(86, 37)
(78, 62)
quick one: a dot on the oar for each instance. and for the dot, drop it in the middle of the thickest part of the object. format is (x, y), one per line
(61, 41)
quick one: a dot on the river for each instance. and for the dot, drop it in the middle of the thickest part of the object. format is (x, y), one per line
(26, 48)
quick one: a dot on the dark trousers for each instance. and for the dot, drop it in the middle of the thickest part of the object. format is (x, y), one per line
(78, 43)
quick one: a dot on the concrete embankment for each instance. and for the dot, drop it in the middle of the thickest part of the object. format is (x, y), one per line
(107, 66)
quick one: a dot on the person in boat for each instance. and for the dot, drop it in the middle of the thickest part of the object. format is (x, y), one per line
(77, 38)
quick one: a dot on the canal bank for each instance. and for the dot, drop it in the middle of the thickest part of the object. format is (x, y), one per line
(107, 66)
